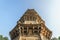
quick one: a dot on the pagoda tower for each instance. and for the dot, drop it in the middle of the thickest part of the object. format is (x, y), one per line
(30, 27)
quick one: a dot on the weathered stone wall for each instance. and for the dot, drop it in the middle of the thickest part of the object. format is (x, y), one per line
(28, 38)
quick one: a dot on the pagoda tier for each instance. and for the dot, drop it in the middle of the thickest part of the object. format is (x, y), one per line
(30, 27)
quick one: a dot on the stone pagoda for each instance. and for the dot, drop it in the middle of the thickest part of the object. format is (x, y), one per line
(30, 27)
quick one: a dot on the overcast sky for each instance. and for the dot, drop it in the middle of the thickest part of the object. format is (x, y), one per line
(12, 10)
